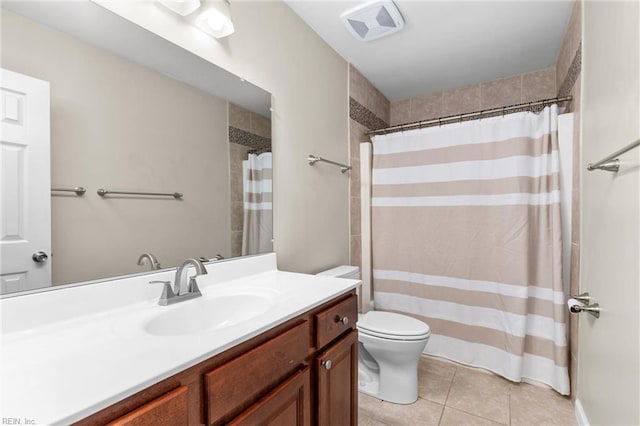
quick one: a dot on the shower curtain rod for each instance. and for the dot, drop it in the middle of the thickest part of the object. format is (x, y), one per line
(469, 115)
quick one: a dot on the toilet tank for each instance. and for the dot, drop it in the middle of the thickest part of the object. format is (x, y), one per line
(343, 271)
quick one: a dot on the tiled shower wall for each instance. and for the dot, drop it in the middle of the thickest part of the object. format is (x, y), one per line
(369, 109)
(247, 131)
(512, 90)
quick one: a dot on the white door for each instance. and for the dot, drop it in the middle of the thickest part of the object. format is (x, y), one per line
(608, 353)
(25, 187)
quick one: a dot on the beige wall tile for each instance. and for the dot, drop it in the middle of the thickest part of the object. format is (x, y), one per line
(483, 394)
(498, 93)
(356, 251)
(237, 215)
(571, 41)
(367, 94)
(539, 85)
(531, 86)
(239, 117)
(356, 137)
(355, 216)
(400, 112)
(354, 178)
(459, 101)
(237, 153)
(236, 243)
(562, 66)
(426, 107)
(453, 417)
(535, 405)
(260, 125)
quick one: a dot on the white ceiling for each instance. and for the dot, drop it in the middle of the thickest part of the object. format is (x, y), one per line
(446, 44)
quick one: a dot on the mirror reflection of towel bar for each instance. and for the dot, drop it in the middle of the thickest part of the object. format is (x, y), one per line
(313, 159)
(103, 192)
(78, 190)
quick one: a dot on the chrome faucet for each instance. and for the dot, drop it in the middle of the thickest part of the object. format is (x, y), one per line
(151, 259)
(170, 296)
(181, 273)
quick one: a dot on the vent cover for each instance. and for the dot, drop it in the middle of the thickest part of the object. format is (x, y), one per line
(373, 20)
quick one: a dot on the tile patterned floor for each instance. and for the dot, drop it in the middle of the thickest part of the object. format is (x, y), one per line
(452, 395)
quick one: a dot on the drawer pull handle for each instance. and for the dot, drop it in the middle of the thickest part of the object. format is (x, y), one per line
(344, 320)
(326, 364)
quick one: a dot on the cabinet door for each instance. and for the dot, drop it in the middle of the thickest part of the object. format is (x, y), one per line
(170, 409)
(337, 390)
(287, 405)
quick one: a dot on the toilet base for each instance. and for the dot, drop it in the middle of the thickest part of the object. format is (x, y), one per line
(401, 387)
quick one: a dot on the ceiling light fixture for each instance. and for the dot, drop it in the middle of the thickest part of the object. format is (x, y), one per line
(181, 7)
(213, 18)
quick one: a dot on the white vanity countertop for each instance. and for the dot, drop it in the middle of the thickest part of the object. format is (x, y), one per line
(66, 370)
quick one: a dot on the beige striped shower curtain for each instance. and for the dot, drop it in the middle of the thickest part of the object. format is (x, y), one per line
(257, 232)
(466, 236)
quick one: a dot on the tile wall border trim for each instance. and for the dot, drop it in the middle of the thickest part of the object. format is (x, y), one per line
(572, 74)
(364, 116)
(251, 140)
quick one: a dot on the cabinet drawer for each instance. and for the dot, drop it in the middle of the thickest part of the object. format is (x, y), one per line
(288, 405)
(235, 385)
(169, 409)
(334, 321)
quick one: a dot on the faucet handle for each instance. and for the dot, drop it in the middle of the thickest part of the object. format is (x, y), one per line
(167, 292)
(193, 286)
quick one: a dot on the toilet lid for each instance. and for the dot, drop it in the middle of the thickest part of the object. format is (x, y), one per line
(392, 325)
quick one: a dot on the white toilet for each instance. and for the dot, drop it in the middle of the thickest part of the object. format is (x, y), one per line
(389, 349)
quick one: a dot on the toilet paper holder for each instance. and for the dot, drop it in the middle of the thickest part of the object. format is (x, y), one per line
(584, 305)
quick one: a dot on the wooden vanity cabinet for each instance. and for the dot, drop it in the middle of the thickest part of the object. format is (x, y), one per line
(289, 404)
(170, 408)
(336, 382)
(240, 382)
(301, 372)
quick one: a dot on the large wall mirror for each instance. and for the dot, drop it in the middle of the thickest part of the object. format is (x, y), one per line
(130, 112)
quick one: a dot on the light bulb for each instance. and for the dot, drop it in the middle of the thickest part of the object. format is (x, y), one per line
(216, 21)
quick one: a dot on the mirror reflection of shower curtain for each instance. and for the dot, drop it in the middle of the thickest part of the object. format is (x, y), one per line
(466, 236)
(257, 235)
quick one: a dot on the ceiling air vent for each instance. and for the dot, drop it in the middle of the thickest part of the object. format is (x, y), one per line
(373, 20)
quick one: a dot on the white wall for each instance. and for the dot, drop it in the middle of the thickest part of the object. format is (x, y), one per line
(275, 50)
(609, 355)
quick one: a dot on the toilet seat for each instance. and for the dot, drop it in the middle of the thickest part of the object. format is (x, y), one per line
(392, 326)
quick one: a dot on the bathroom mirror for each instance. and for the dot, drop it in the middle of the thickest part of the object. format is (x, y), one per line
(132, 112)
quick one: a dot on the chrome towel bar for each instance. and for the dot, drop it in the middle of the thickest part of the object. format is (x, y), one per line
(78, 190)
(610, 163)
(103, 192)
(312, 159)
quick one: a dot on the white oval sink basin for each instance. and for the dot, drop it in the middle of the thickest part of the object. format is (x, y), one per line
(210, 313)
